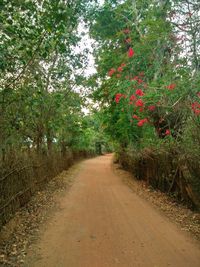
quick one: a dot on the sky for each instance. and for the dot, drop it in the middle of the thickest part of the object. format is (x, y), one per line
(87, 43)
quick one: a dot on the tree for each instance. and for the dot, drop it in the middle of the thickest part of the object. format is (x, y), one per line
(39, 105)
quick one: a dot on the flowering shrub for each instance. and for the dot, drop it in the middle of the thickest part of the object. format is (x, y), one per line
(140, 99)
(153, 101)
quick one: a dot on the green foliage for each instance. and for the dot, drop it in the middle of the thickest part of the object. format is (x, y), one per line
(169, 81)
(39, 106)
(38, 73)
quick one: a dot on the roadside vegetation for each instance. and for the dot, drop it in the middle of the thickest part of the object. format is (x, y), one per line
(143, 102)
(43, 128)
(147, 87)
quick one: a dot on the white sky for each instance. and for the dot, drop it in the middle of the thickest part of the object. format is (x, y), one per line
(87, 43)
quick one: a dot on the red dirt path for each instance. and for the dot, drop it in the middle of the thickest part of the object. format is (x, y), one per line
(102, 223)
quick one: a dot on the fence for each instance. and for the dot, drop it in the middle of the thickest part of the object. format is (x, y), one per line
(21, 178)
(167, 171)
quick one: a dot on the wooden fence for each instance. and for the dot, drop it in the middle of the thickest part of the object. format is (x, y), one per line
(168, 171)
(21, 179)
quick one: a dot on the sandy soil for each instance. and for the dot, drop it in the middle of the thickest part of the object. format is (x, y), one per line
(103, 223)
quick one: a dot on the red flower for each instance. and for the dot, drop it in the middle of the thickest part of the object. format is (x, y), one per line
(131, 52)
(167, 132)
(133, 98)
(123, 65)
(195, 105)
(140, 81)
(139, 103)
(120, 69)
(151, 108)
(139, 92)
(171, 86)
(197, 111)
(136, 78)
(111, 72)
(141, 122)
(196, 108)
(118, 97)
(135, 117)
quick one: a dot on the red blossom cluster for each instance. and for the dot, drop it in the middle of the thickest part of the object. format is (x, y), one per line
(139, 103)
(142, 122)
(151, 108)
(135, 117)
(132, 98)
(131, 52)
(119, 69)
(111, 72)
(171, 86)
(138, 79)
(118, 97)
(167, 132)
(196, 108)
(139, 92)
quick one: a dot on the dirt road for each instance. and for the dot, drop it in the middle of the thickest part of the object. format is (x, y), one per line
(102, 223)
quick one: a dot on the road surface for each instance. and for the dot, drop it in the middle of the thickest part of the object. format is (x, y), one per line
(102, 223)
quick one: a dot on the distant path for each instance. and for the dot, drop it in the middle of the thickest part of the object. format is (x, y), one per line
(102, 223)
